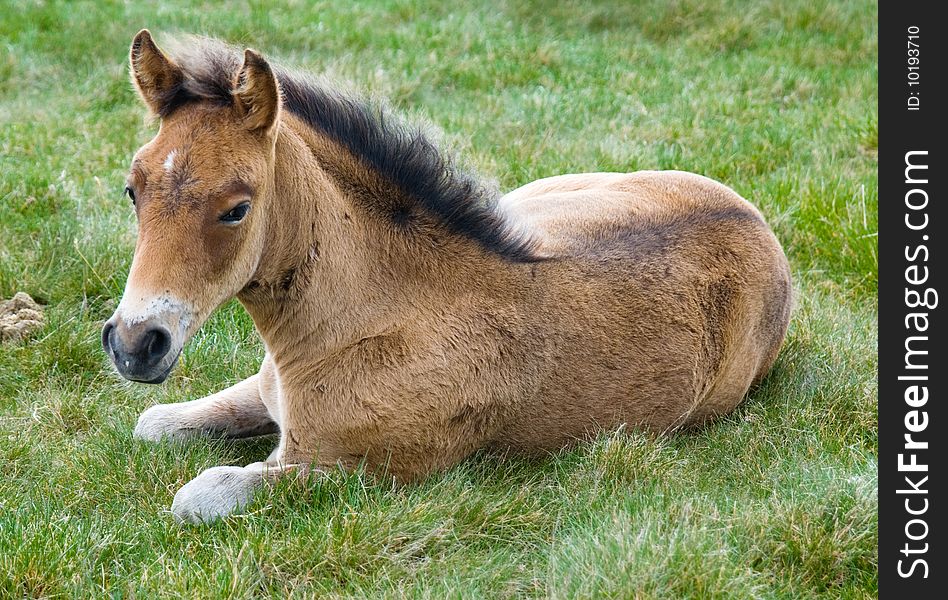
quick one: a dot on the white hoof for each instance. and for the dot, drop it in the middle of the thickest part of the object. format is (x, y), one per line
(162, 421)
(215, 493)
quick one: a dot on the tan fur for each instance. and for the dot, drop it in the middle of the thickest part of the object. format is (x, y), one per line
(662, 298)
(152, 71)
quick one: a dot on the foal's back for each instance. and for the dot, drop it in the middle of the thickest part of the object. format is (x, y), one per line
(666, 298)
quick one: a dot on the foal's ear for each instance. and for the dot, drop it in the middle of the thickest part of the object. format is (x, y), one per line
(156, 77)
(257, 93)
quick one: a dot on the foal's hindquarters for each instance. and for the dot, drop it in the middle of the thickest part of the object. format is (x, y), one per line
(661, 299)
(674, 299)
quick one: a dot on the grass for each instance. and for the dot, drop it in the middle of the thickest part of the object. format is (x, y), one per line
(775, 98)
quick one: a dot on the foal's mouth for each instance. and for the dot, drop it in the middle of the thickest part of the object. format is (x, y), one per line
(147, 358)
(159, 378)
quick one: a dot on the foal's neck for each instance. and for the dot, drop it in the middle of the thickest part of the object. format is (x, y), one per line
(332, 273)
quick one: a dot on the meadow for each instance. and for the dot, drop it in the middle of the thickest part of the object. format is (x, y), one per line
(775, 98)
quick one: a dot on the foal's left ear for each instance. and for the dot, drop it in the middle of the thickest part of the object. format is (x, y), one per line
(156, 76)
(257, 93)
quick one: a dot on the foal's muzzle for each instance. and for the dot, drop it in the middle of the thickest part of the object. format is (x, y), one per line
(141, 352)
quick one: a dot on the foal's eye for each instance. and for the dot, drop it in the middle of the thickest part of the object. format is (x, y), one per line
(236, 214)
(131, 194)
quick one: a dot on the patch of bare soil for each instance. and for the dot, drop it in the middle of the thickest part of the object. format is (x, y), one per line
(19, 317)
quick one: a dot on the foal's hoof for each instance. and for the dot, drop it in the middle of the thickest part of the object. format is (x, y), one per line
(162, 422)
(215, 493)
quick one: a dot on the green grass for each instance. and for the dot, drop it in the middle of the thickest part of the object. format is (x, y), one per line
(776, 99)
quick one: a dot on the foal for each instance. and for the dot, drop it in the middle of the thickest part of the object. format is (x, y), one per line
(410, 317)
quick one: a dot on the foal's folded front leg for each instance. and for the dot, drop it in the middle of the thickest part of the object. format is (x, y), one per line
(220, 491)
(237, 411)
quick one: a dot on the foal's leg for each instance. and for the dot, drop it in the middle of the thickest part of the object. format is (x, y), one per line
(220, 491)
(237, 411)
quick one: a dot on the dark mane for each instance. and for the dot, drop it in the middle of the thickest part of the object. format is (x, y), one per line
(400, 153)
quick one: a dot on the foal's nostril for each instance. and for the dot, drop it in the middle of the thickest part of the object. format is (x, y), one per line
(156, 343)
(140, 351)
(106, 335)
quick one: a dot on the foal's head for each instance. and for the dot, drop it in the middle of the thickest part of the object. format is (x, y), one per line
(201, 190)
